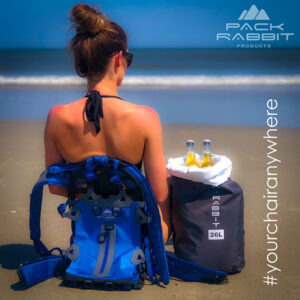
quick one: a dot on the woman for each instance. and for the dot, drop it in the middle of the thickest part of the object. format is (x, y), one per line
(120, 129)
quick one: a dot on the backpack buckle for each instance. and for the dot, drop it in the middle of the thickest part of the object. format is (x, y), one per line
(20, 275)
(109, 285)
(102, 237)
(109, 226)
(87, 284)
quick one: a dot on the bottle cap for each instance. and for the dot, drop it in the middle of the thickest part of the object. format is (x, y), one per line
(206, 141)
(190, 142)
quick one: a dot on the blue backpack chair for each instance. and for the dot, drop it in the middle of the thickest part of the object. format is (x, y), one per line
(116, 240)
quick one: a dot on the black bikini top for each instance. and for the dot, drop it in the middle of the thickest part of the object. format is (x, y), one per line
(94, 107)
(94, 111)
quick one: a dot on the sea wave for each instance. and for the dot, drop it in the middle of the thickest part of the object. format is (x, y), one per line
(153, 81)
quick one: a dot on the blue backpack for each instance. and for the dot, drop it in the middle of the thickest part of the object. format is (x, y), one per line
(116, 240)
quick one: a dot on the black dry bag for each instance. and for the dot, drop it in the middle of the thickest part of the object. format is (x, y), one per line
(208, 223)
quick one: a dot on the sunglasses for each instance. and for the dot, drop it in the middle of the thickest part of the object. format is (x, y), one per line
(128, 56)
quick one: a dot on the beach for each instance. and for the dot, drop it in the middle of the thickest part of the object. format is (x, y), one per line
(219, 94)
(22, 161)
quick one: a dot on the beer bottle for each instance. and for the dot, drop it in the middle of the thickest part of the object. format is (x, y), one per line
(207, 160)
(191, 155)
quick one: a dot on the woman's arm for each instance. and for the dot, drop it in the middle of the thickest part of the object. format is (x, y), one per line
(155, 167)
(52, 156)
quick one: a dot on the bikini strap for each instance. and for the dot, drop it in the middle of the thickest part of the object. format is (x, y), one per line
(94, 107)
(107, 96)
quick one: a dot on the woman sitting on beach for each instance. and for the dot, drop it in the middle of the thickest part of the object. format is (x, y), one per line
(115, 128)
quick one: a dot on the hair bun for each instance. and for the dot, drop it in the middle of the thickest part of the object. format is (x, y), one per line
(87, 19)
(95, 39)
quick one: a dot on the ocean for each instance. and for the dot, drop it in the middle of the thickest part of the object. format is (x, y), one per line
(190, 86)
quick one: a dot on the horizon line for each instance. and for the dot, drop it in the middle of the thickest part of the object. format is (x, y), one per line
(158, 48)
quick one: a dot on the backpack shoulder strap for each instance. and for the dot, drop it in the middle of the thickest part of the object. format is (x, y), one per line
(156, 245)
(57, 174)
(188, 271)
(44, 268)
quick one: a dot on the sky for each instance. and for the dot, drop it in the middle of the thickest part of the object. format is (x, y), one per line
(149, 24)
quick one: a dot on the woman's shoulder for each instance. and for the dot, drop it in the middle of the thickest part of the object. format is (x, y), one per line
(147, 112)
(56, 112)
(55, 117)
(63, 112)
(147, 121)
(149, 116)
(54, 122)
(138, 113)
(143, 115)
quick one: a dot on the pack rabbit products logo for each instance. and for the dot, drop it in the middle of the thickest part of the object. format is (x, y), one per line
(254, 26)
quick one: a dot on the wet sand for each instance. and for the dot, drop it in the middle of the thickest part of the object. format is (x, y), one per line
(22, 160)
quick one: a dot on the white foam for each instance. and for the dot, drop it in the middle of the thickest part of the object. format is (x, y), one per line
(155, 81)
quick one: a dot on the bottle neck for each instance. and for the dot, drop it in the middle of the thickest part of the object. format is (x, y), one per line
(206, 148)
(190, 148)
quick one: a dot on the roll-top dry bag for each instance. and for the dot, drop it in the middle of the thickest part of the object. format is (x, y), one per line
(208, 223)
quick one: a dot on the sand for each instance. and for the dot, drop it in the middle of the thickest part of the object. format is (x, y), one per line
(22, 160)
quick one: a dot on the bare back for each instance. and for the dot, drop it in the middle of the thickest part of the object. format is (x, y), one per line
(128, 132)
(121, 135)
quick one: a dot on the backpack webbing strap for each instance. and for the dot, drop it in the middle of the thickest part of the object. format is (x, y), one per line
(58, 174)
(109, 237)
(188, 271)
(159, 265)
(35, 215)
(148, 259)
(42, 269)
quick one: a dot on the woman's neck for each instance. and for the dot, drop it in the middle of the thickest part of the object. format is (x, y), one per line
(104, 86)
(104, 91)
